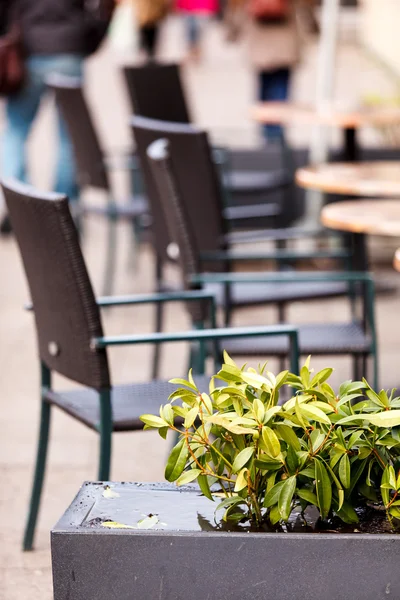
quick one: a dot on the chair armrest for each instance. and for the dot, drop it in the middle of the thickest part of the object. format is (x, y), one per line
(205, 335)
(283, 276)
(277, 255)
(156, 298)
(290, 233)
(253, 211)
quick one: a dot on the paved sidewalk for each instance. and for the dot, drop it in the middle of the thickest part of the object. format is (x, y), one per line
(221, 92)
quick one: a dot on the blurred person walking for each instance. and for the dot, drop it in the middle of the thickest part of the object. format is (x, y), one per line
(150, 14)
(270, 29)
(56, 36)
(196, 13)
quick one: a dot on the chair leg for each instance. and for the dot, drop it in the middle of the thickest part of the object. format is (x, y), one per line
(106, 427)
(357, 366)
(38, 477)
(111, 256)
(159, 320)
(375, 364)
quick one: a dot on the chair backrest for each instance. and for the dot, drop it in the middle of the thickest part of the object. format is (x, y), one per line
(156, 92)
(66, 313)
(179, 225)
(88, 153)
(196, 174)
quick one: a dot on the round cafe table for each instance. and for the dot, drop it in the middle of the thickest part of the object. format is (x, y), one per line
(380, 178)
(396, 260)
(373, 179)
(371, 217)
(288, 113)
(361, 218)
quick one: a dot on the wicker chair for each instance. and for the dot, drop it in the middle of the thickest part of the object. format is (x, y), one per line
(195, 171)
(93, 166)
(247, 178)
(70, 333)
(356, 338)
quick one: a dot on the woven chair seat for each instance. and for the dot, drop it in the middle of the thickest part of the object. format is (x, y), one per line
(332, 338)
(255, 211)
(255, 181)
(128, 402)
(254, 294)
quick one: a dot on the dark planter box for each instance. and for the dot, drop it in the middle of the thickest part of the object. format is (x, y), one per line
(184, 558)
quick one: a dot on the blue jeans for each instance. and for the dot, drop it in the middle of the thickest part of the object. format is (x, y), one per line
(193, 26)
(274, 85)
(21, 111)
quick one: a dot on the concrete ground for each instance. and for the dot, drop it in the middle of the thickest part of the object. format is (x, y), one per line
(221, 93)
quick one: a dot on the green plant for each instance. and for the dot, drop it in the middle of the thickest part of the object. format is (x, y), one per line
(335, 451)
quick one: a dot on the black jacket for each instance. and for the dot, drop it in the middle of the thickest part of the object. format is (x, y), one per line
(61, 26)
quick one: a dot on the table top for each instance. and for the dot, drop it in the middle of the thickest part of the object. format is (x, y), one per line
(381, 178)
(396, 260)
(372, 217)
(289, 113)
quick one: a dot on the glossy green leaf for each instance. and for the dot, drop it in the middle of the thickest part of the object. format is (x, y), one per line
(385, 486)
(266, 463)
(259, 410)
(271, 412)
(273, 495)
(323, 488)
(312, 413)
(242, 458)
(387, 418)
(307, 495)
(317, 438)
(286, 497)
(353, 419)
(167, 414)
(227, 502)
(188, 476)
(191, 417)
(271, 442)
(183, 382)
(226, 424)
(321, 377)
(288, 436)
(153, 421)
(228, 360)
(204, 486)
(308, 472)
(347, 514)
(275, 515)
(176, 461)
(241, 480)
(292, 460)
(344, 471)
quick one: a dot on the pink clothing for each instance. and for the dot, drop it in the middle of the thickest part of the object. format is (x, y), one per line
(198, 6)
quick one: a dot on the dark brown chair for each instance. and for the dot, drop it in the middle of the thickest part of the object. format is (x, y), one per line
(92, 167)
(70, 333)
(355, 338)
(156, 92)
(191, 156)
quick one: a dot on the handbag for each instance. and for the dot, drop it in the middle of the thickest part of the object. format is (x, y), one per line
(12, 70)
(269, 10)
